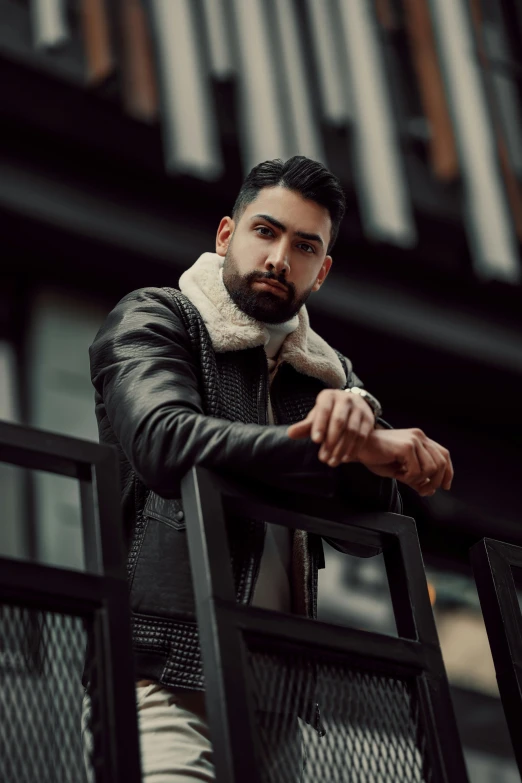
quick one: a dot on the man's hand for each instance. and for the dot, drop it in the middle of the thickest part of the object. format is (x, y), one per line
(340, 421)
(410, 457)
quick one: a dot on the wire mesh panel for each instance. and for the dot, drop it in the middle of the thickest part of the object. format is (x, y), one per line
(386, 711)
(369, 728)
(42, 656)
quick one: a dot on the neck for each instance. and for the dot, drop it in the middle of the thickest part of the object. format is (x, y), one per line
(277, 335)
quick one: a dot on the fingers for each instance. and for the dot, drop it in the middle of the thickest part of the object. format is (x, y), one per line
(340, 422)
(315, 425)
(412, 471)
(427, 466)
(350, 423)
(438, 471)
(322, 411)
(448, 472)
(349, 446)
(336, 429)
(429, 475)
(301, 429)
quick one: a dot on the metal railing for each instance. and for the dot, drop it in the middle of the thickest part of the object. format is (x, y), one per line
(494, 564)
(385, 701)
(287, 698)
(56, 623)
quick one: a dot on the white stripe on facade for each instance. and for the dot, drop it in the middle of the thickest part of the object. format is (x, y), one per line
(188, 116)
(333, 88)
(381, 183)
(218, 31)
(490, 229)
(49, 23)
(264, 134)
(305, 126)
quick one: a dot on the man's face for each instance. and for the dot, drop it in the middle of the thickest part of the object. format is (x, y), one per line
(275, 255)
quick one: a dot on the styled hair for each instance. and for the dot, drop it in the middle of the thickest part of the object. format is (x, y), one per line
(307, 177)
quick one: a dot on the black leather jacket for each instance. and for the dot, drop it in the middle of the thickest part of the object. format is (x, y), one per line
(167, 401)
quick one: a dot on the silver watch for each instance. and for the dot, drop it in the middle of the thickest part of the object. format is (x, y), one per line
(372, 401)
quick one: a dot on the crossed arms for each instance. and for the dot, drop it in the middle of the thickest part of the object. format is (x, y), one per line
(344, 426)
(148, 392)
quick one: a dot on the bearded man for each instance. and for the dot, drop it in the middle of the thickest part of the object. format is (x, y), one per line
(227, 373)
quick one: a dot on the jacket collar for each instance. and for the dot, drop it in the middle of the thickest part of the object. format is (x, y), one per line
(232, 330)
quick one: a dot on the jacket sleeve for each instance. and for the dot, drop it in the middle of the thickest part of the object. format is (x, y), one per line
(147, 377)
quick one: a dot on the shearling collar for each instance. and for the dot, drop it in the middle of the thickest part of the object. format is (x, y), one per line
(232, 330)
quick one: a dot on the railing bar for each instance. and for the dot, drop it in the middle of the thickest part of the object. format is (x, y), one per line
(315, 633)
(370, 527)
(18, 438)
(45, 582)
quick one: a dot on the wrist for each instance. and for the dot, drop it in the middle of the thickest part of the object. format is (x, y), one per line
(371, 445)
(370, 400)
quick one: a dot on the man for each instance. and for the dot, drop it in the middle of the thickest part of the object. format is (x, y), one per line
(228, 374)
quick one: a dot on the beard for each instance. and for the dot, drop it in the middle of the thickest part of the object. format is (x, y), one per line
(264, 306)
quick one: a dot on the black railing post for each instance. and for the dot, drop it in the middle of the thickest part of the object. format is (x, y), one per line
(493, 563)
(410, 597)
(223, 649)
(97, 599)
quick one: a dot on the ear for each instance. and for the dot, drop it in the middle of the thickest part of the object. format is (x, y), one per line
(224, 235)
(323, 273)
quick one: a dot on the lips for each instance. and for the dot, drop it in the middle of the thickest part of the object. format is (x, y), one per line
(272, 284)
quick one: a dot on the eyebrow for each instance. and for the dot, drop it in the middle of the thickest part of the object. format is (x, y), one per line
(283, 228)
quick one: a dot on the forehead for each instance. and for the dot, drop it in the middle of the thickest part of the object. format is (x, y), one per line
(291, 209)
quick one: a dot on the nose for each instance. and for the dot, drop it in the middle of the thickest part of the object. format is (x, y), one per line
(278, 261)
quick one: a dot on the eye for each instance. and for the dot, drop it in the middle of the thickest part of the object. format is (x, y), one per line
(308, 248)
(261, 229)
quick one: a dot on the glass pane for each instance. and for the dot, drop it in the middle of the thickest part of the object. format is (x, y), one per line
(58, 514)
(492, 18)
(12, 524)
(62, 400)
(507, 95)
(508, 102)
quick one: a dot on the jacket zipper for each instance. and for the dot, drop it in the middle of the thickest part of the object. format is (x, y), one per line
(262, 415)
(274, 406)
(262, 391)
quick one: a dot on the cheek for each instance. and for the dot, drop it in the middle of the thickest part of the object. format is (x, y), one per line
(249, 256)
(303, 279)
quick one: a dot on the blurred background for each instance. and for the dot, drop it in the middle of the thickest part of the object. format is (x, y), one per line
(126, 128)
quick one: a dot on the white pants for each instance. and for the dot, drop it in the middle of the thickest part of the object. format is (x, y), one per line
(174, 736)
(175, 739)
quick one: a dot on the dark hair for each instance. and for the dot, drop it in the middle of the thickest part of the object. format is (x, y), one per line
(307, 177)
